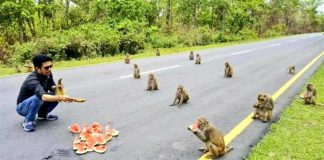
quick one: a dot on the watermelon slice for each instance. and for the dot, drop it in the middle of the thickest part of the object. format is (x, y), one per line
(81, 148)
(74, 128)
(101, 139)
(75, 146)
(114, 132)
(108, 137)
(85, 135)
(100, 148)
(76, 140)
(108, 130)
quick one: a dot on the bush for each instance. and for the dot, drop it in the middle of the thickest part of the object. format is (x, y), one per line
(276, 30)
(205, 37)
(52, 46)
(5, 54)
(220, 37)
(24, 52)
(247, 34)
(132, 38)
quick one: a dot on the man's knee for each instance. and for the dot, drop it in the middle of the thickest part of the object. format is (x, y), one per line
(28, 104)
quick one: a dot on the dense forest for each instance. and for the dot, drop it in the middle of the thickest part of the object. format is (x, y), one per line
(73, 29)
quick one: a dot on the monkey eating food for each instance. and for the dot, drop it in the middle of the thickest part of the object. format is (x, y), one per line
(211, 136)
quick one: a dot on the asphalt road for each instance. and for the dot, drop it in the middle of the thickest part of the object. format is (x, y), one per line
(149, 127)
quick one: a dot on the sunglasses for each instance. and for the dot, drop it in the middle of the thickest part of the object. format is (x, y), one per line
(48, 67)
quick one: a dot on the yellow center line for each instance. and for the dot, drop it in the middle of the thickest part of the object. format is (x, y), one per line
(247, 121)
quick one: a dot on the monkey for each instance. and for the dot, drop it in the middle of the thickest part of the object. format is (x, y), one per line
(59, 88)
(181, 95)
(152, 83)
(18, 70)
(29, 66)
(265, 104)
(127, 59)
(310, 94)
(157, 52)
(198, 59)
(228, 70)
(136, 72)
(291, 69)
(191, 55)
(212, 137)
(258, 111)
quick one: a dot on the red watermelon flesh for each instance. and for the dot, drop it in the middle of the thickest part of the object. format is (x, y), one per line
(74, 128)
(100, 148)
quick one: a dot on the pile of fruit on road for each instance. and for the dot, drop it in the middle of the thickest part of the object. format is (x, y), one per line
(92, 137)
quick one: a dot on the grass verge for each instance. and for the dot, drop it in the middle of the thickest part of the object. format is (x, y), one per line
(299, 134)
(5, 70)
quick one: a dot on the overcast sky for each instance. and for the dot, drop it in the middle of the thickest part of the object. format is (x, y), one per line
(321, 8)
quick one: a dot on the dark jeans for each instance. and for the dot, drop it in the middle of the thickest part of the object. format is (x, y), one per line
(33, 105)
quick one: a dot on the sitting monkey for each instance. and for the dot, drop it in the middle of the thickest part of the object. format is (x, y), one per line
(212, 137)
(152, 83)
(291, 69)
(181, 95)
(228, 70)
(198, 59)
(136, 72)
(258, 113)
(264, 108)
(191, 55)
(127, 59)
(157, 52)
(310, 94)
(29, 66)
(59, 88)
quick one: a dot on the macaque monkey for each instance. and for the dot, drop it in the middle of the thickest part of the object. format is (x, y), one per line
(212, 137)
(29, 66)
(258, 113)
(228, 70)
(310, 94)
(263, 108)
(191, 55)
(127, 59)
(181, 96)
(198, 59)
(152, 83)
(59, 88)
(18, 70)
(136, 72)
(157, 52)
(291, 69)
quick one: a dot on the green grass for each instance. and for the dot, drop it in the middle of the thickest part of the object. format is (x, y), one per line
(5, 70)
(299, 134)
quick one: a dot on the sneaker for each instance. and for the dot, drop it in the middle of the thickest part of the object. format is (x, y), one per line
(29, 126)
(49, 117)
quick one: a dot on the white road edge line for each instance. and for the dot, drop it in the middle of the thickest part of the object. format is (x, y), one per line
(276, 44)
(242, 52)
(155, 70)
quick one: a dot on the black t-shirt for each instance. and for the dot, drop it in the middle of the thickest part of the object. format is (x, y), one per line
(35, 84)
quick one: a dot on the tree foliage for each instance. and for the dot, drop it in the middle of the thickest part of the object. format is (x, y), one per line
(72, 29)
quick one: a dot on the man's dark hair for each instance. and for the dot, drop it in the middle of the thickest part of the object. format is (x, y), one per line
(39, 59)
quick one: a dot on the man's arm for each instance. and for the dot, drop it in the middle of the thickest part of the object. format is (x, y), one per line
(56, 98)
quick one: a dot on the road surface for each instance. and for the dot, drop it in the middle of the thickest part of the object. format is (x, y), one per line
(149, 127)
